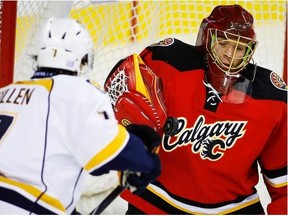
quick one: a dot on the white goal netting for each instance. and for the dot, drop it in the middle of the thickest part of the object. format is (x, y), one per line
(120, 28)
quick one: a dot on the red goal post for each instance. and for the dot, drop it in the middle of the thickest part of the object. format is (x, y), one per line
(8, 14)
(120, 28)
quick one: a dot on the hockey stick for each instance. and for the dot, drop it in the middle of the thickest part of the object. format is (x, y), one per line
(108, 200)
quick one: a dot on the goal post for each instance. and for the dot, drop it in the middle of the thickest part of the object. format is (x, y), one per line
(8, 14)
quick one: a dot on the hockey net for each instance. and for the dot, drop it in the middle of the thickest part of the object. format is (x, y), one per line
(121, 28)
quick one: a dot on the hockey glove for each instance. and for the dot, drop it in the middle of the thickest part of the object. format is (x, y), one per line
(137, 182)
(147, 134)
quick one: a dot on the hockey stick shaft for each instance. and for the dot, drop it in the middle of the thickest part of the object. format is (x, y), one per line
(108, 200)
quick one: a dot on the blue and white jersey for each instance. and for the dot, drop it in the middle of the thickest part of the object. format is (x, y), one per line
(52, 131)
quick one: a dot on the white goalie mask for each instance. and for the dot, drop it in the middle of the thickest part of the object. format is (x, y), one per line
(65, 44)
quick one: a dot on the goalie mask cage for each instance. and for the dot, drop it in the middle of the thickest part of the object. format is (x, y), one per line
(120, 28)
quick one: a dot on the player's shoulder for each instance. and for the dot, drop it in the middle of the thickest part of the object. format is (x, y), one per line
(177, 53)
(74, 85)
(76, 81)
(268, 85)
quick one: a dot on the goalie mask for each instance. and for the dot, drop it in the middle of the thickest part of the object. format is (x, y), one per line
(66, 45)
(227, 38)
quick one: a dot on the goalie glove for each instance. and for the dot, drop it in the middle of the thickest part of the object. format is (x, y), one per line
(136, 94)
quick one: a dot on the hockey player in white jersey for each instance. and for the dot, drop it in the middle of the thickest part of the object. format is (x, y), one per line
(57, 126)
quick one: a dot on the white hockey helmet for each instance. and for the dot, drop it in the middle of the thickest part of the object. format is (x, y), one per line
(65, 44)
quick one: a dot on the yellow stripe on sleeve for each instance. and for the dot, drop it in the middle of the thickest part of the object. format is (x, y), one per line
(110, 150)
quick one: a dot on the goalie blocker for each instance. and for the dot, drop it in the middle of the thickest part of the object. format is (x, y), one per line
(136, 94)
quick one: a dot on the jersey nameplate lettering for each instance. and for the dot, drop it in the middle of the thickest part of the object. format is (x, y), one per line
(18, 96)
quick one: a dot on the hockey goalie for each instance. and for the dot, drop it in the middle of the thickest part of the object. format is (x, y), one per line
(221, 99)
(136, 94)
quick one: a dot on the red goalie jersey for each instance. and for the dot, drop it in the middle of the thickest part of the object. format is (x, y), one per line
(210, 165)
